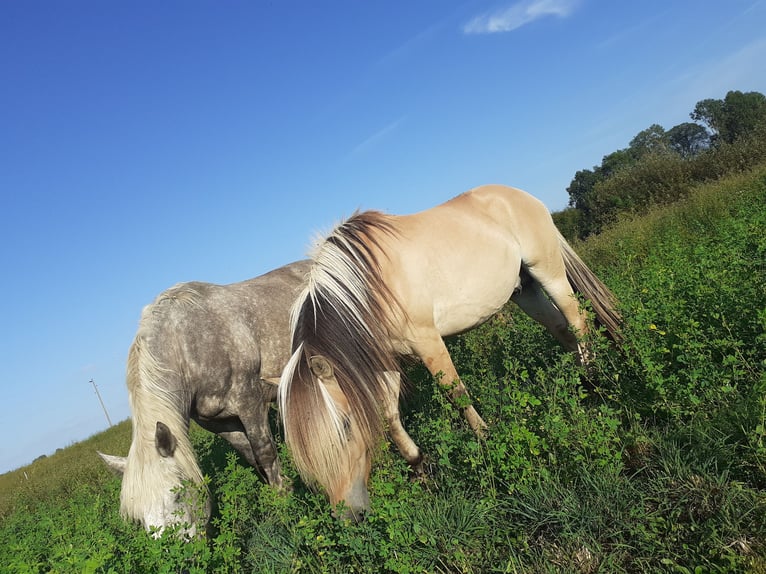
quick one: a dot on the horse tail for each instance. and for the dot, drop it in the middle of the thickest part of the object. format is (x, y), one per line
(585, 282)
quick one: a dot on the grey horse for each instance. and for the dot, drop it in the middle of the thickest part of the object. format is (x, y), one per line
(212, 353)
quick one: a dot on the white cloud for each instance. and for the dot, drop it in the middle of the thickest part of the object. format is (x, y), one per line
(518, 15)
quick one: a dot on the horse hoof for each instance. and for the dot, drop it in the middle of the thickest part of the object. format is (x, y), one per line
(285, 486)
(418, 473)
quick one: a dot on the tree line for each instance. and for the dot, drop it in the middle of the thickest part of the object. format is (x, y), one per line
(660, 166)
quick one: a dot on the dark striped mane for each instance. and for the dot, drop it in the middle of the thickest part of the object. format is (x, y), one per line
(343, 315)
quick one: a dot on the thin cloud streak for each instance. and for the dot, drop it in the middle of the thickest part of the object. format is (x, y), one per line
(376, 137)
(742, 69)
(518, 15)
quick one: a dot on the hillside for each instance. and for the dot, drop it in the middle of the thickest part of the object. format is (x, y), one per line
(52, 476)
(652, 461)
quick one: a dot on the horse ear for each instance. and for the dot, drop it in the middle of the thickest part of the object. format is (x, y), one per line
(164, 440)
(321, 367)
(115, 463)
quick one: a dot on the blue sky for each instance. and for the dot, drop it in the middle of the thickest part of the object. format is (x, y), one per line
(147, 143)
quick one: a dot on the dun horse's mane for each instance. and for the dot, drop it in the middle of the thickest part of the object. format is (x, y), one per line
(151, 400)
(342, 315)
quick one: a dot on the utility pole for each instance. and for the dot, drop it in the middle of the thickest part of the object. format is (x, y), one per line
(92, 382)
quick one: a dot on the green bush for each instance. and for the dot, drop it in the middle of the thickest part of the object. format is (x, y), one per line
(655, 179)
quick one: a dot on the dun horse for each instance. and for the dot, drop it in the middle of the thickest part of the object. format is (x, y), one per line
(213, 353)
(382, 286)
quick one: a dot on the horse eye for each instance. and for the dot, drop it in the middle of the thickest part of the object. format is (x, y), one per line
(347, 427)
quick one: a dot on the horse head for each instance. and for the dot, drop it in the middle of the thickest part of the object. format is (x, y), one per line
(330, 448)
(156, 489)
(347, 481)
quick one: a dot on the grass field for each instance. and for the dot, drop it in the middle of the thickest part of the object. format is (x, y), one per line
(657, 464)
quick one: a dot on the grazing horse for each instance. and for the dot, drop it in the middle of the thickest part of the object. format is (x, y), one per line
(213, 353)
(382, 286)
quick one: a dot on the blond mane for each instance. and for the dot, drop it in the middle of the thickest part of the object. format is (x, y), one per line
(151, 401)
(338, 317)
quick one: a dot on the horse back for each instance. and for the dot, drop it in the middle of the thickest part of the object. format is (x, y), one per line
(455, 265)
(207, 337)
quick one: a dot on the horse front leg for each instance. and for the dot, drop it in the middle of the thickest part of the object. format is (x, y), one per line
(256, 422)
(403, 441)
(434, 354)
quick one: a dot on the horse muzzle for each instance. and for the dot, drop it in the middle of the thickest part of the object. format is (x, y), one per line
(356, 503)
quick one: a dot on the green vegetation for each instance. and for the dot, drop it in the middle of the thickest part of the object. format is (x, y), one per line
(659, 167)
(654, 460)
(53, 478)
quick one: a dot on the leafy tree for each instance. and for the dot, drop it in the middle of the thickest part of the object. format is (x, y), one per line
(736, 116)
(653, 139)
(581, 186)
(688, 139)
(616, 161)
(569, 222)
(710, 112)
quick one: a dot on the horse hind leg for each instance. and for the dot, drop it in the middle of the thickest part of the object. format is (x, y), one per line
(261, 457)
(556, 308)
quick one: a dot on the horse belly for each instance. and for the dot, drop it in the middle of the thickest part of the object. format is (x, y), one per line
(462, 303)
(455, 266)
